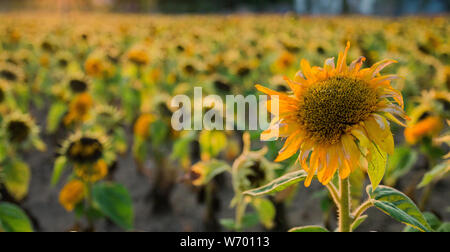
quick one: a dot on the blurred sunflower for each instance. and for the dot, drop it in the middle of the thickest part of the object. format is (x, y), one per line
(428, 118)
(84, 148)
(79, 109)
(336, 116)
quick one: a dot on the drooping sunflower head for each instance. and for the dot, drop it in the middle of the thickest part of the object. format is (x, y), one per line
(252, 169)
(79, 109)
(139, 55)
(108, 116)
(336, 116)
(84, 148)
(19, 128)
(428, 117)
(11, 73)
(78, 84)
(92, 172)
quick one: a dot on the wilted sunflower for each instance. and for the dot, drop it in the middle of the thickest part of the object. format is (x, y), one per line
(84, 148)
(336, 116)
(11, 73)
(428, 118)
(19, 128)
(79, 109)
(139, 55)
(92, 173)
(78, 84)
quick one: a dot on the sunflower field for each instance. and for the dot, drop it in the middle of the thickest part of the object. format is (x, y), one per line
(87, 142)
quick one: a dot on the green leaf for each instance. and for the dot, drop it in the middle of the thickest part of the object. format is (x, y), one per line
(431, 219)
(279, 184)
(55, 114)
(400, 163)
(397, 205)
(356, 223)
(58, 169)
(435, 174)
(13, 219)
(17, 178)
(214, 168)
(309, 229)
(158, 132)
(248, 221)
(212, 142)
(444, 228)
(115, 203)
(377, 166)
(266, 211)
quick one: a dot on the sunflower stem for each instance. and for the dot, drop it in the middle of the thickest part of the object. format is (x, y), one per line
(345, 219)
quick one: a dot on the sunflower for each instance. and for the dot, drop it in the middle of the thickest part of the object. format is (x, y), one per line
(142, 125)
(92, 173)
(84, 148)
(336, 116)
(79, 109)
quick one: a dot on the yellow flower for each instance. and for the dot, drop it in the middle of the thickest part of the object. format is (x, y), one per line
(79, 109)
(141, 127)
(94, 66)
(139, 56)
(197, 174)
(71, 194)
(429, 126)
(92, 173)
(336, 116)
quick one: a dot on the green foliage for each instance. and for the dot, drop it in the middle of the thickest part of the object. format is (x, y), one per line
(377, 166)
(279, 184)
(266, 211)
(248, 221)
(401, 162)
(397, 205)
(114, 201)
(17, 177)
(14, 219)
(58, 169)
(435, 174)
(309, 229)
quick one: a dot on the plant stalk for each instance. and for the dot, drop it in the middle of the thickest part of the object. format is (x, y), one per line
(345, 219)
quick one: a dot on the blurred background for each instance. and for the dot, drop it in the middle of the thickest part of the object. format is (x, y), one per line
(314, 7)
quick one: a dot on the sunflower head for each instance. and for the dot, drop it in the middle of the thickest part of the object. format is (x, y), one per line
(78, 85)
(19, 128)
(336, 116)
(139, 56)
(428, 117)
(79, 109)
(142, 125)
(252, 169)
(84, 148)
(11, 73)
(197, 174)
(94, 66)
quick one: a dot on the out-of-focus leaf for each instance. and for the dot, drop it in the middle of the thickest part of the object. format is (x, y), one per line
(400, 163)
(17, 177)
(115, 202)
(266, 211)
(248, 221)
(212, 143)
(309, 229)
(55, 114)
(435, 174)
(158, 132)
(58, 169)
(14, 219)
